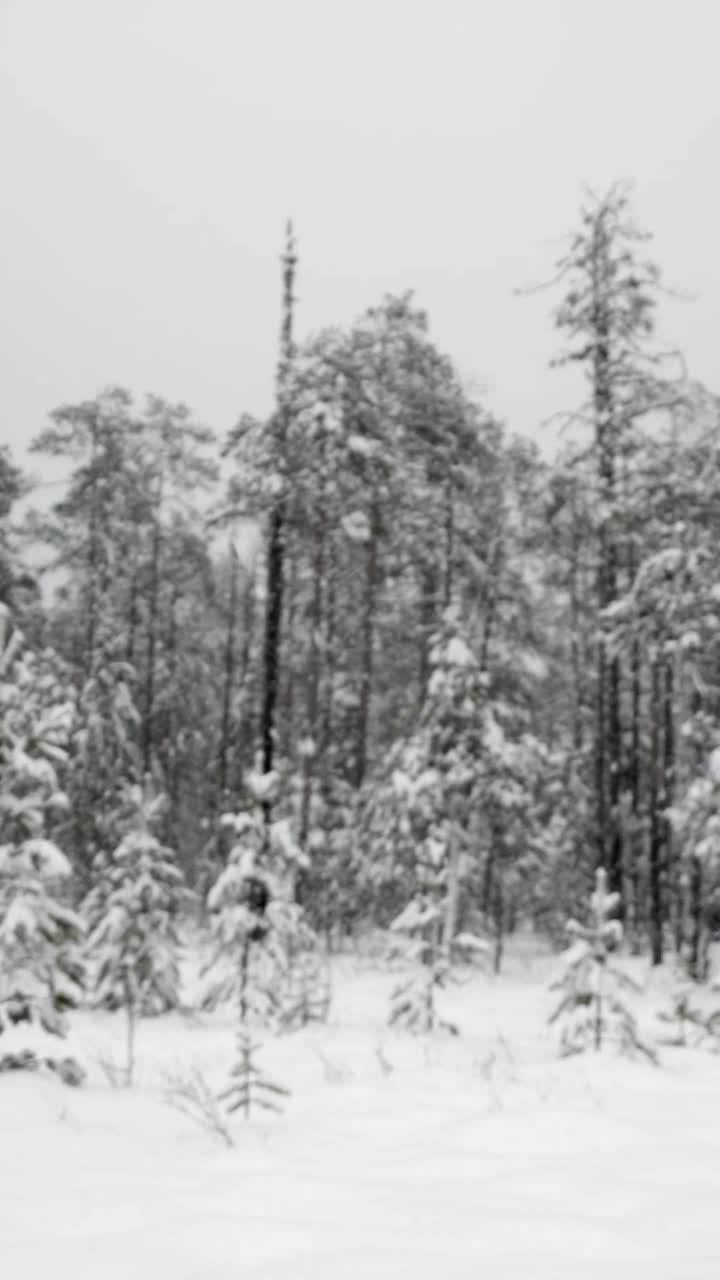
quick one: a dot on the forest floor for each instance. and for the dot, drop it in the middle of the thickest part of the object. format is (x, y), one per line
(395, 1156)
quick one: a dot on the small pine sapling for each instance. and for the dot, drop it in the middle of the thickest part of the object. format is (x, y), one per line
(136, 941)
(256, 928)
(307, 992)
(241, 960)
(421, 928)
(591, 1009)
(249, 1088)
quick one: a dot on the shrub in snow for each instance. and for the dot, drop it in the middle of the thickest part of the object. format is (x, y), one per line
(192, 1095)
(249, 1089)
(687, 1021)
(41, 972)
(591, 1010)
(135, 942)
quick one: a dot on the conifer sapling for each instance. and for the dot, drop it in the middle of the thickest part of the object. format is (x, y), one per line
(591, 1009)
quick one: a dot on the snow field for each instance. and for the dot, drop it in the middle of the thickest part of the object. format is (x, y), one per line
(396, 1156)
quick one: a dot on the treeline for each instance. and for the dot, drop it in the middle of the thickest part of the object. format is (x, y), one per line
(468, 675)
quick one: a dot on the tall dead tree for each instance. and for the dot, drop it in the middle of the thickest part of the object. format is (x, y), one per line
(277, 525)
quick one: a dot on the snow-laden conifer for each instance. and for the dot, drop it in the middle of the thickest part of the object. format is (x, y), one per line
(425, 945)
(41, 970)
(135, 943)
(592, 1010)
(255, 925)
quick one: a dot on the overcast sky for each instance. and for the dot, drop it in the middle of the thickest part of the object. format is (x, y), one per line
(151, 151)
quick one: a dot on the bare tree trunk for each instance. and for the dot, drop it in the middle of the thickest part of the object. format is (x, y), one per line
(368, 642)
(615, 859)
(312, 674)
(228, 684)
(286, 738)
(634, 854)
(271, 647)
(490, 602)
(247, 683)
(149, 701)
(173, 771)
(696, 948)
(449, 543)
(575, 658)
(672, 868)
(327, 700)
(656, 833)
(601, 814)
(277, 536)
(427, 622)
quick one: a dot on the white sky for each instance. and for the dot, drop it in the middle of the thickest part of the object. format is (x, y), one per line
(151, 150)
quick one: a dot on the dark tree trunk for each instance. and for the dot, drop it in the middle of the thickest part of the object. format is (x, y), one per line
(228, 686)
(271, 644)
(312, 674)
(277, 533)
(428, 598)
(149, 701)
(633, 780)
(449, 543)
(696, 947)
(490, 601)
(615, 852)
(671, 867)
(368, 644)
(286, 739)
(171, 748)
(656, 820)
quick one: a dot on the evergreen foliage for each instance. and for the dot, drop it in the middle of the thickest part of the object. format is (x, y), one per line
(591, 1009)
(249, 1089)
(41, 970)
(136, 940)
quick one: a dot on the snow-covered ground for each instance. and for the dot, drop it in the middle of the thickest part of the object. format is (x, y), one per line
(395, 1157)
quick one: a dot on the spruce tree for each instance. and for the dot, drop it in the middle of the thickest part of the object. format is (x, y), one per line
(41, 970)
(592, 1010)
(255, 925)
(135, 944)
(426, 946)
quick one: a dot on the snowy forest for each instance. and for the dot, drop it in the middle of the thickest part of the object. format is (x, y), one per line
(371, 677)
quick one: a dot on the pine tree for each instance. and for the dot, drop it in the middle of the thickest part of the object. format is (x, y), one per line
(249, 1089)
(592, 1009)
(41, 970)
(607, 315)
(135, 943)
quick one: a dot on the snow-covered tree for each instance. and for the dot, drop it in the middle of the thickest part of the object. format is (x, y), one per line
(255, 924)
(425, 944)
(135, 943)
(696, 822)
(41, 970)
(591, 1010)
